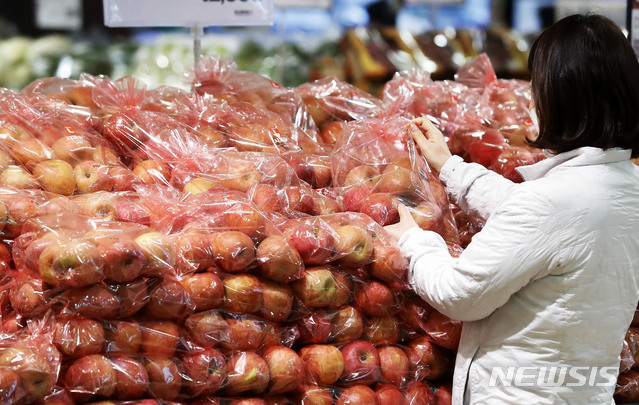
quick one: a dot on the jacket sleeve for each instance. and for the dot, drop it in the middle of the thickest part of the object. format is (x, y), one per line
(474, 188)
(511, 250)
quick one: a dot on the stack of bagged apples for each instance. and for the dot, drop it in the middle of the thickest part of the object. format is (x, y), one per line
(225, 244)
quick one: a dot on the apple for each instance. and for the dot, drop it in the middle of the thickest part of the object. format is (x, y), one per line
(207, 328)
(245, 332)
(55, 176)
(343, 289)
(95, 301)
(381, 207)
(205, 290)
(152, 172)
(418, 392)
(398, 178)
(30, 152)
(362, 176)
(384, 329)
(388, 263)
(159, 251)
(28, 298)
(11, 391)
(78, 337)
(314, 395)
(104, 155)
(286, 369)
(11, 134)
(131, 212)
(245, 218)
(414, 312)
(314, 327)
(276, 333)
(444, 394)
(159, 338)
(316, 288)
(34, 365)
(233, 251)
(75, 263)
(99, 204)
(122, 130)
(486, 151)
(168, 299)
(313, 239)
(277, 301)
(132, 295)
(73, 149)
(124, 180)
(330, 131)
(91, 176)
(361, 363)
(123, 259)
(442, 330)
(278, 260)
(511, 158)
(394, 366)
(357, 395)
(322, 175)
(131, 378)
(90, 376)
(347, 324)
(354, 246)
(266, 197)
(193, 251)
(17, 177)
(388, 394)
(324, 363)
(324, 205)
(165, 378)
(199, 185)
(20, 208)
(123, 337)
(247, 373)
(427, 360)
(354, 197)
(374, 298)
(205, 372)
(298, 198)
(249, 401)
(242, 294)
(428, 215)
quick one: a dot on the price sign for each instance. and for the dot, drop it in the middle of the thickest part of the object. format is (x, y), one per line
(323, 4)
(180, 13)
(58, 14)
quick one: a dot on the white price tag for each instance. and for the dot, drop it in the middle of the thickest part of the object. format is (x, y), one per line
(58, 14)
(323, 4)
(179, 13)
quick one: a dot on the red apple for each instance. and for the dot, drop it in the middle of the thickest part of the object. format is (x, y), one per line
(277, 301)
(266, 198)
(17, 177)
(152, 172)
(248, 373)
(324, 363)
(159, 251)
(314, 395)
(165, 379)
(398, 178)
(75, 263)
(131, 378)
(159, 338)
(242, 294)
(34, 365)
(205, 372)
(278, 260)
(388, 263)
(244, 217)
(393, 363)
(286, 369)
(363, 176)
(123, 337)
(354, 197)
(382, 208)
(205, 290)
(55, 176)
(427, 360)
(125, 180)
(73, 149)
(357, 395)
(444, 394)
(123, 259)
(314, 327)
(29, 152)
(382, 330)
(419, 392)
(354, 246)
(298, 198)
(233, 251)
(316, 288)
(244, 332)
(442, 330)
(78, 337)
(91, 176)
(193, 251)
(10, 134)
(207, 328)
(361, 363)
(511, 158)
(90, 376)
(313, 239)
(330, 131)
(347, 325)
(11, 391)
(374, 298)
(168, 299)
(126, 211)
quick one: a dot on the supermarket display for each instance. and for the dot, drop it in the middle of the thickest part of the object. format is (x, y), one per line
(224, 244)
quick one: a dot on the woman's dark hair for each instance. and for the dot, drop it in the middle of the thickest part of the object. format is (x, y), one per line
(585, 85)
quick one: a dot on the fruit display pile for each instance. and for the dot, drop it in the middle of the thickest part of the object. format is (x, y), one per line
(225, 244)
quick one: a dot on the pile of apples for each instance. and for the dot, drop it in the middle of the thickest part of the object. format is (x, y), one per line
(226, 244)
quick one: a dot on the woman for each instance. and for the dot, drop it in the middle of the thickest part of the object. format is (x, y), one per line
(548, 288)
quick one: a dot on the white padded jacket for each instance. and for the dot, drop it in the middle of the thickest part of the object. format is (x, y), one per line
(552, 280)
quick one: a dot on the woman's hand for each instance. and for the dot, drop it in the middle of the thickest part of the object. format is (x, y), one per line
(406, 222)
(431, 143)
